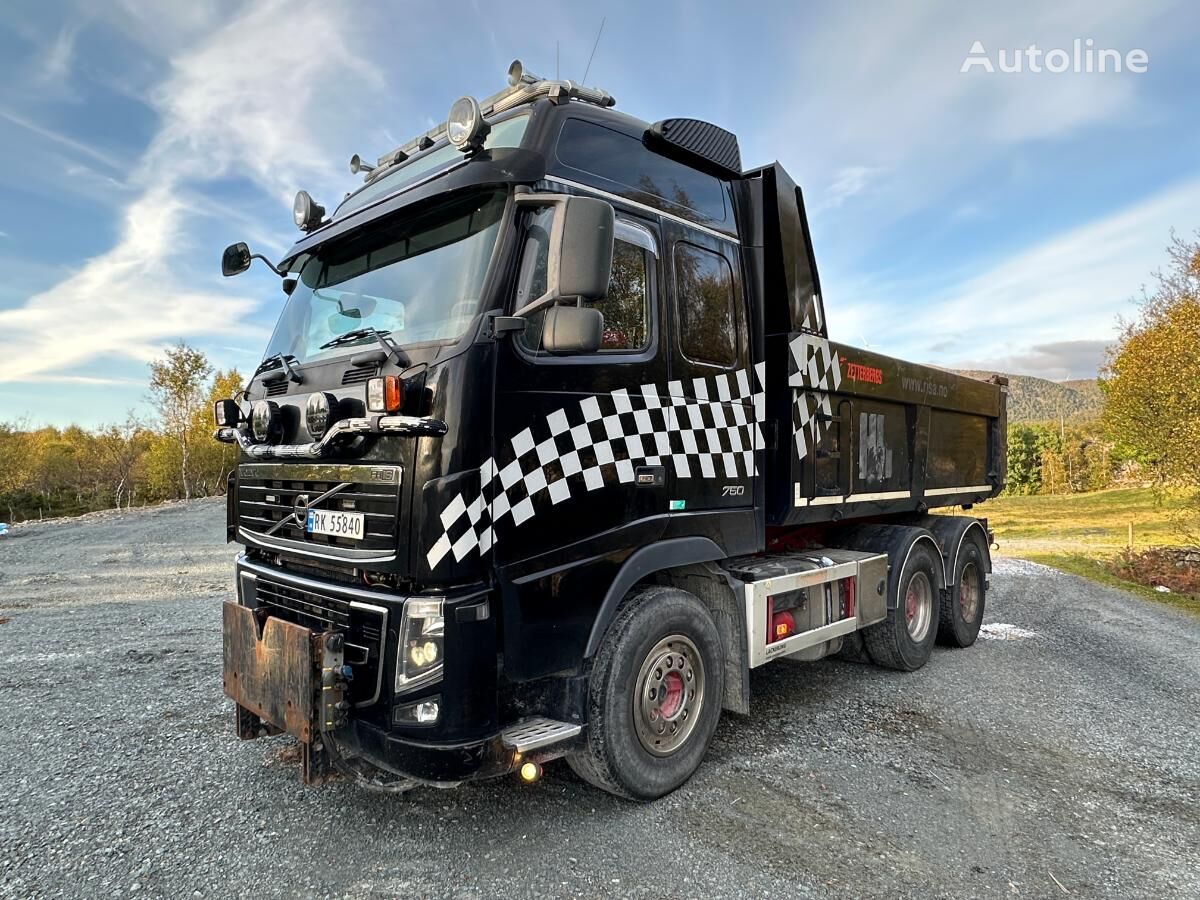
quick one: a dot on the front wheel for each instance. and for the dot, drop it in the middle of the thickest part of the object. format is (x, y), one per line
(654, 696)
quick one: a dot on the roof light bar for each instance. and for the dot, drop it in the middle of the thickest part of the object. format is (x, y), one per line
(523, 87)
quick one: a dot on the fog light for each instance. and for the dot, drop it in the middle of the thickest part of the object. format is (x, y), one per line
(424, 712)
(530, 772)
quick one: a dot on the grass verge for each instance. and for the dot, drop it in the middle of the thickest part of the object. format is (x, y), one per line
(1081, 533)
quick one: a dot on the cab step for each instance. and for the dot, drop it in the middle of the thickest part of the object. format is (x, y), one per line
(535, 733)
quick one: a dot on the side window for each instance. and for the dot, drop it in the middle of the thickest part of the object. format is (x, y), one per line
(626, 309)
(707, 309)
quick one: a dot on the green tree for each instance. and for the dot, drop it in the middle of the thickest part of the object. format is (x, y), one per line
(1152, 377)
(177, 389)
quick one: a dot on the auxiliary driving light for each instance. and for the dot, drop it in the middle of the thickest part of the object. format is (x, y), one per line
(318, 413)
(264, 420)
(307, 212)
(465, 128)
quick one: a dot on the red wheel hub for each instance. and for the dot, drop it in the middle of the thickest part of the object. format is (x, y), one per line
(672, 695)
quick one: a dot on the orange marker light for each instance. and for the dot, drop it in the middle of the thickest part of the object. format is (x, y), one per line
(383, 394)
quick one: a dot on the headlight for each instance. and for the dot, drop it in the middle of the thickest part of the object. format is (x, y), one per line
(307, 212)
(465, 127)
(264, 420)
(419, 653)
(318, 413)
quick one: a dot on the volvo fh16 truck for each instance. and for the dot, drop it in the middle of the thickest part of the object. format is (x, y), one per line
(550, 447)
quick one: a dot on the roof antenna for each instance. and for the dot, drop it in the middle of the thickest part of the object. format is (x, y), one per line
(556, 76)
(594, 46)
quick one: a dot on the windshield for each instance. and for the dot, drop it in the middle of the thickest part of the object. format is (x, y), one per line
(507, 133)
(417, 278)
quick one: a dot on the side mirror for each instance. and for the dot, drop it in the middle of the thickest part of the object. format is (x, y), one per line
(581, 250)
(235, 259)
(572, 329)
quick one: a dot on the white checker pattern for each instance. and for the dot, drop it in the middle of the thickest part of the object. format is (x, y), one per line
(711, 427)
(816, 370)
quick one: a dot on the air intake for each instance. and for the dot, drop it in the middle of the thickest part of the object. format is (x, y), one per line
(359, 375)
(275, 388)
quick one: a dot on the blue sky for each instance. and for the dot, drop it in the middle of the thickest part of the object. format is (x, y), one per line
(991, 220)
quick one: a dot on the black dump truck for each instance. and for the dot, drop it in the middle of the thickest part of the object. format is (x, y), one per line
(550, 448)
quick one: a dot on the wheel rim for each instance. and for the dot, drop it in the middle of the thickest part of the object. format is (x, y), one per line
(968, 592)
(918, 606)
(669, 695)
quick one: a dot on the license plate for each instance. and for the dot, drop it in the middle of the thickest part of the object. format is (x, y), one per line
(337, 524)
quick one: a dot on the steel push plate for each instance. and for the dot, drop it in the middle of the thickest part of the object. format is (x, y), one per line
(272, 676)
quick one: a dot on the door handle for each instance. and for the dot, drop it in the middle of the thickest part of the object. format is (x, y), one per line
(650, 476)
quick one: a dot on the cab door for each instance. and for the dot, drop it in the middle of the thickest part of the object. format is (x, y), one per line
(579, 439)
(713, 384)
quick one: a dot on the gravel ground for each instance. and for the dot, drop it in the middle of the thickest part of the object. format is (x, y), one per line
(1056, 758)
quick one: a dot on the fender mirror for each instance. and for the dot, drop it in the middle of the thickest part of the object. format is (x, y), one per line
(235, 259)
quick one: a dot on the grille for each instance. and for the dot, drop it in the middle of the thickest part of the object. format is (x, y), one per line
(271, 493)
(359, 375)
(275, 388)
(323, 610)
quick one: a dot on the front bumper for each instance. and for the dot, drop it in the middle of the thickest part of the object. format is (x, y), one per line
(272, 675)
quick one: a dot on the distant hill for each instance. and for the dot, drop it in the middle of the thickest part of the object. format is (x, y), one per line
(1038, 400)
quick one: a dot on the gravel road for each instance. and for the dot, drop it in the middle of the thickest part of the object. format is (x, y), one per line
(1057, 758)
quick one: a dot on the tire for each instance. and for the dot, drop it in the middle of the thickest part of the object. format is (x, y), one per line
(962, 614)
(905, 639)
(623, 753)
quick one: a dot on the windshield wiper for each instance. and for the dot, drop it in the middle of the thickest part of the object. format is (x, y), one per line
(370, 331)
(280, 359)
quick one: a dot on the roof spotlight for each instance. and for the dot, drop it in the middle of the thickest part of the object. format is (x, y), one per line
(465, 127)
(307, 212)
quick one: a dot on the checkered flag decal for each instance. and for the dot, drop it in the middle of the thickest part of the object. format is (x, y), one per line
(815, 371)
(708, 428)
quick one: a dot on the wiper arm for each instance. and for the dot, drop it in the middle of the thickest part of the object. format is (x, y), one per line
(358, 334)
(280, 359)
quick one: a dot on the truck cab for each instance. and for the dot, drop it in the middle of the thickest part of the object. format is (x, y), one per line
(550, 443)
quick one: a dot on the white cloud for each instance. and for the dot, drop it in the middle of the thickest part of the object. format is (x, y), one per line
(239, 102)
(891, 97)
(1041, 311)
(56, 64)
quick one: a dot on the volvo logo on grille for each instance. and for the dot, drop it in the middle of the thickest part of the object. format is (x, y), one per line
(300, 508)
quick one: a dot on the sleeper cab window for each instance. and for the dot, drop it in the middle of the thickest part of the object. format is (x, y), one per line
(706, 307)
(635, 171)
(626, 309)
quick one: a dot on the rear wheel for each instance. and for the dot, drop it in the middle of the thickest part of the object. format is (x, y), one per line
(654, 696)
(962, 614)
(904, 640)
